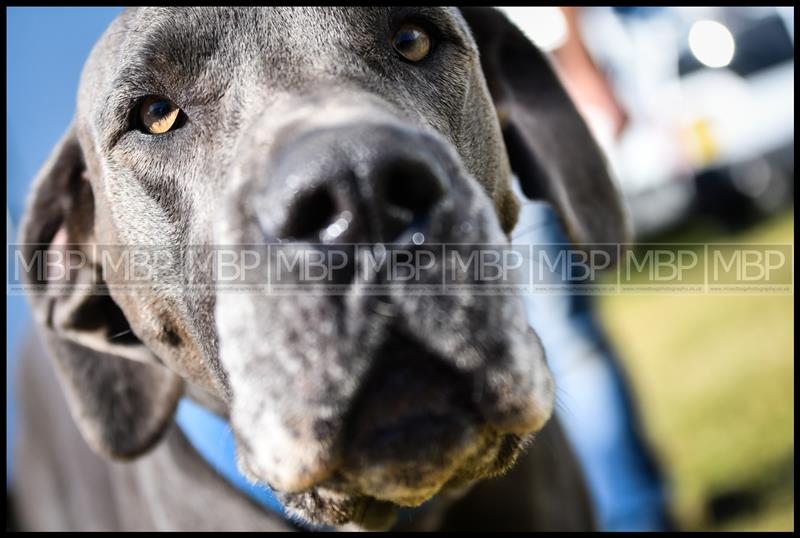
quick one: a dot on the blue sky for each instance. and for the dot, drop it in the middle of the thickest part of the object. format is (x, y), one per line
(45, 51)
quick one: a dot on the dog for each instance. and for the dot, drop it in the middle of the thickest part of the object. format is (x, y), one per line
(305, 127)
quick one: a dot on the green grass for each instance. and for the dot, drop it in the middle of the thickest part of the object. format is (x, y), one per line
(714, 380)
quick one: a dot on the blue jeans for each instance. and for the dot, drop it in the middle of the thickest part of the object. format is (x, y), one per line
(593, 403)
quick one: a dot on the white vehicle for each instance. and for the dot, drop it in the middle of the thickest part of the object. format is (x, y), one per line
(709, 94)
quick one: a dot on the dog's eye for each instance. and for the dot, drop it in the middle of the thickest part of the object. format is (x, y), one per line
(412, 42)
(158, 115)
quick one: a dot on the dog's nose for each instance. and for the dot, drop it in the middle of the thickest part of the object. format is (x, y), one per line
(358, 184)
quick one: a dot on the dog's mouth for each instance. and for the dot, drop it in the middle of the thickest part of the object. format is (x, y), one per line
(388, 412)
(412, 431)
(414, 425)
(341, 502)
(336, 502)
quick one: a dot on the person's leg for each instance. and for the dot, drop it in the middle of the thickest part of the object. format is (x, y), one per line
(593, 402)
(595, 408)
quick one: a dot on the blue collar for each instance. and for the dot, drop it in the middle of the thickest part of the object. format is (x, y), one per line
(212, 437)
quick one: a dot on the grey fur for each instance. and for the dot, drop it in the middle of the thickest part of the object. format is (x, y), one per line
(256, 85)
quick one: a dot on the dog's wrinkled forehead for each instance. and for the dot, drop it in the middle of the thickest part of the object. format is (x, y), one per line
(197, 55)
(240, 75)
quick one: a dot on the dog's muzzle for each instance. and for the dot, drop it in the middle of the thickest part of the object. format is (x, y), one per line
(391, 394)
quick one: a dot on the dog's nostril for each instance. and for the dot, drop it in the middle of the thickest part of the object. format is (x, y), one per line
(412, 186)
(309, 215)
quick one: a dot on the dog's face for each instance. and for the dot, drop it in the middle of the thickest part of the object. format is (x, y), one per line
(312, 128)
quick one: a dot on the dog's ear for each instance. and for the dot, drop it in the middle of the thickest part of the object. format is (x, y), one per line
(120, 396)
(550, 147)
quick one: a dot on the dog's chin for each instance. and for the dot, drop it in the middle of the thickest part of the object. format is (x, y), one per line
(342, 502)
(413, 426)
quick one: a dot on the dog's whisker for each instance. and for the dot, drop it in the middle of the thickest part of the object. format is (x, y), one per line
(120, 334)
(560, 401)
